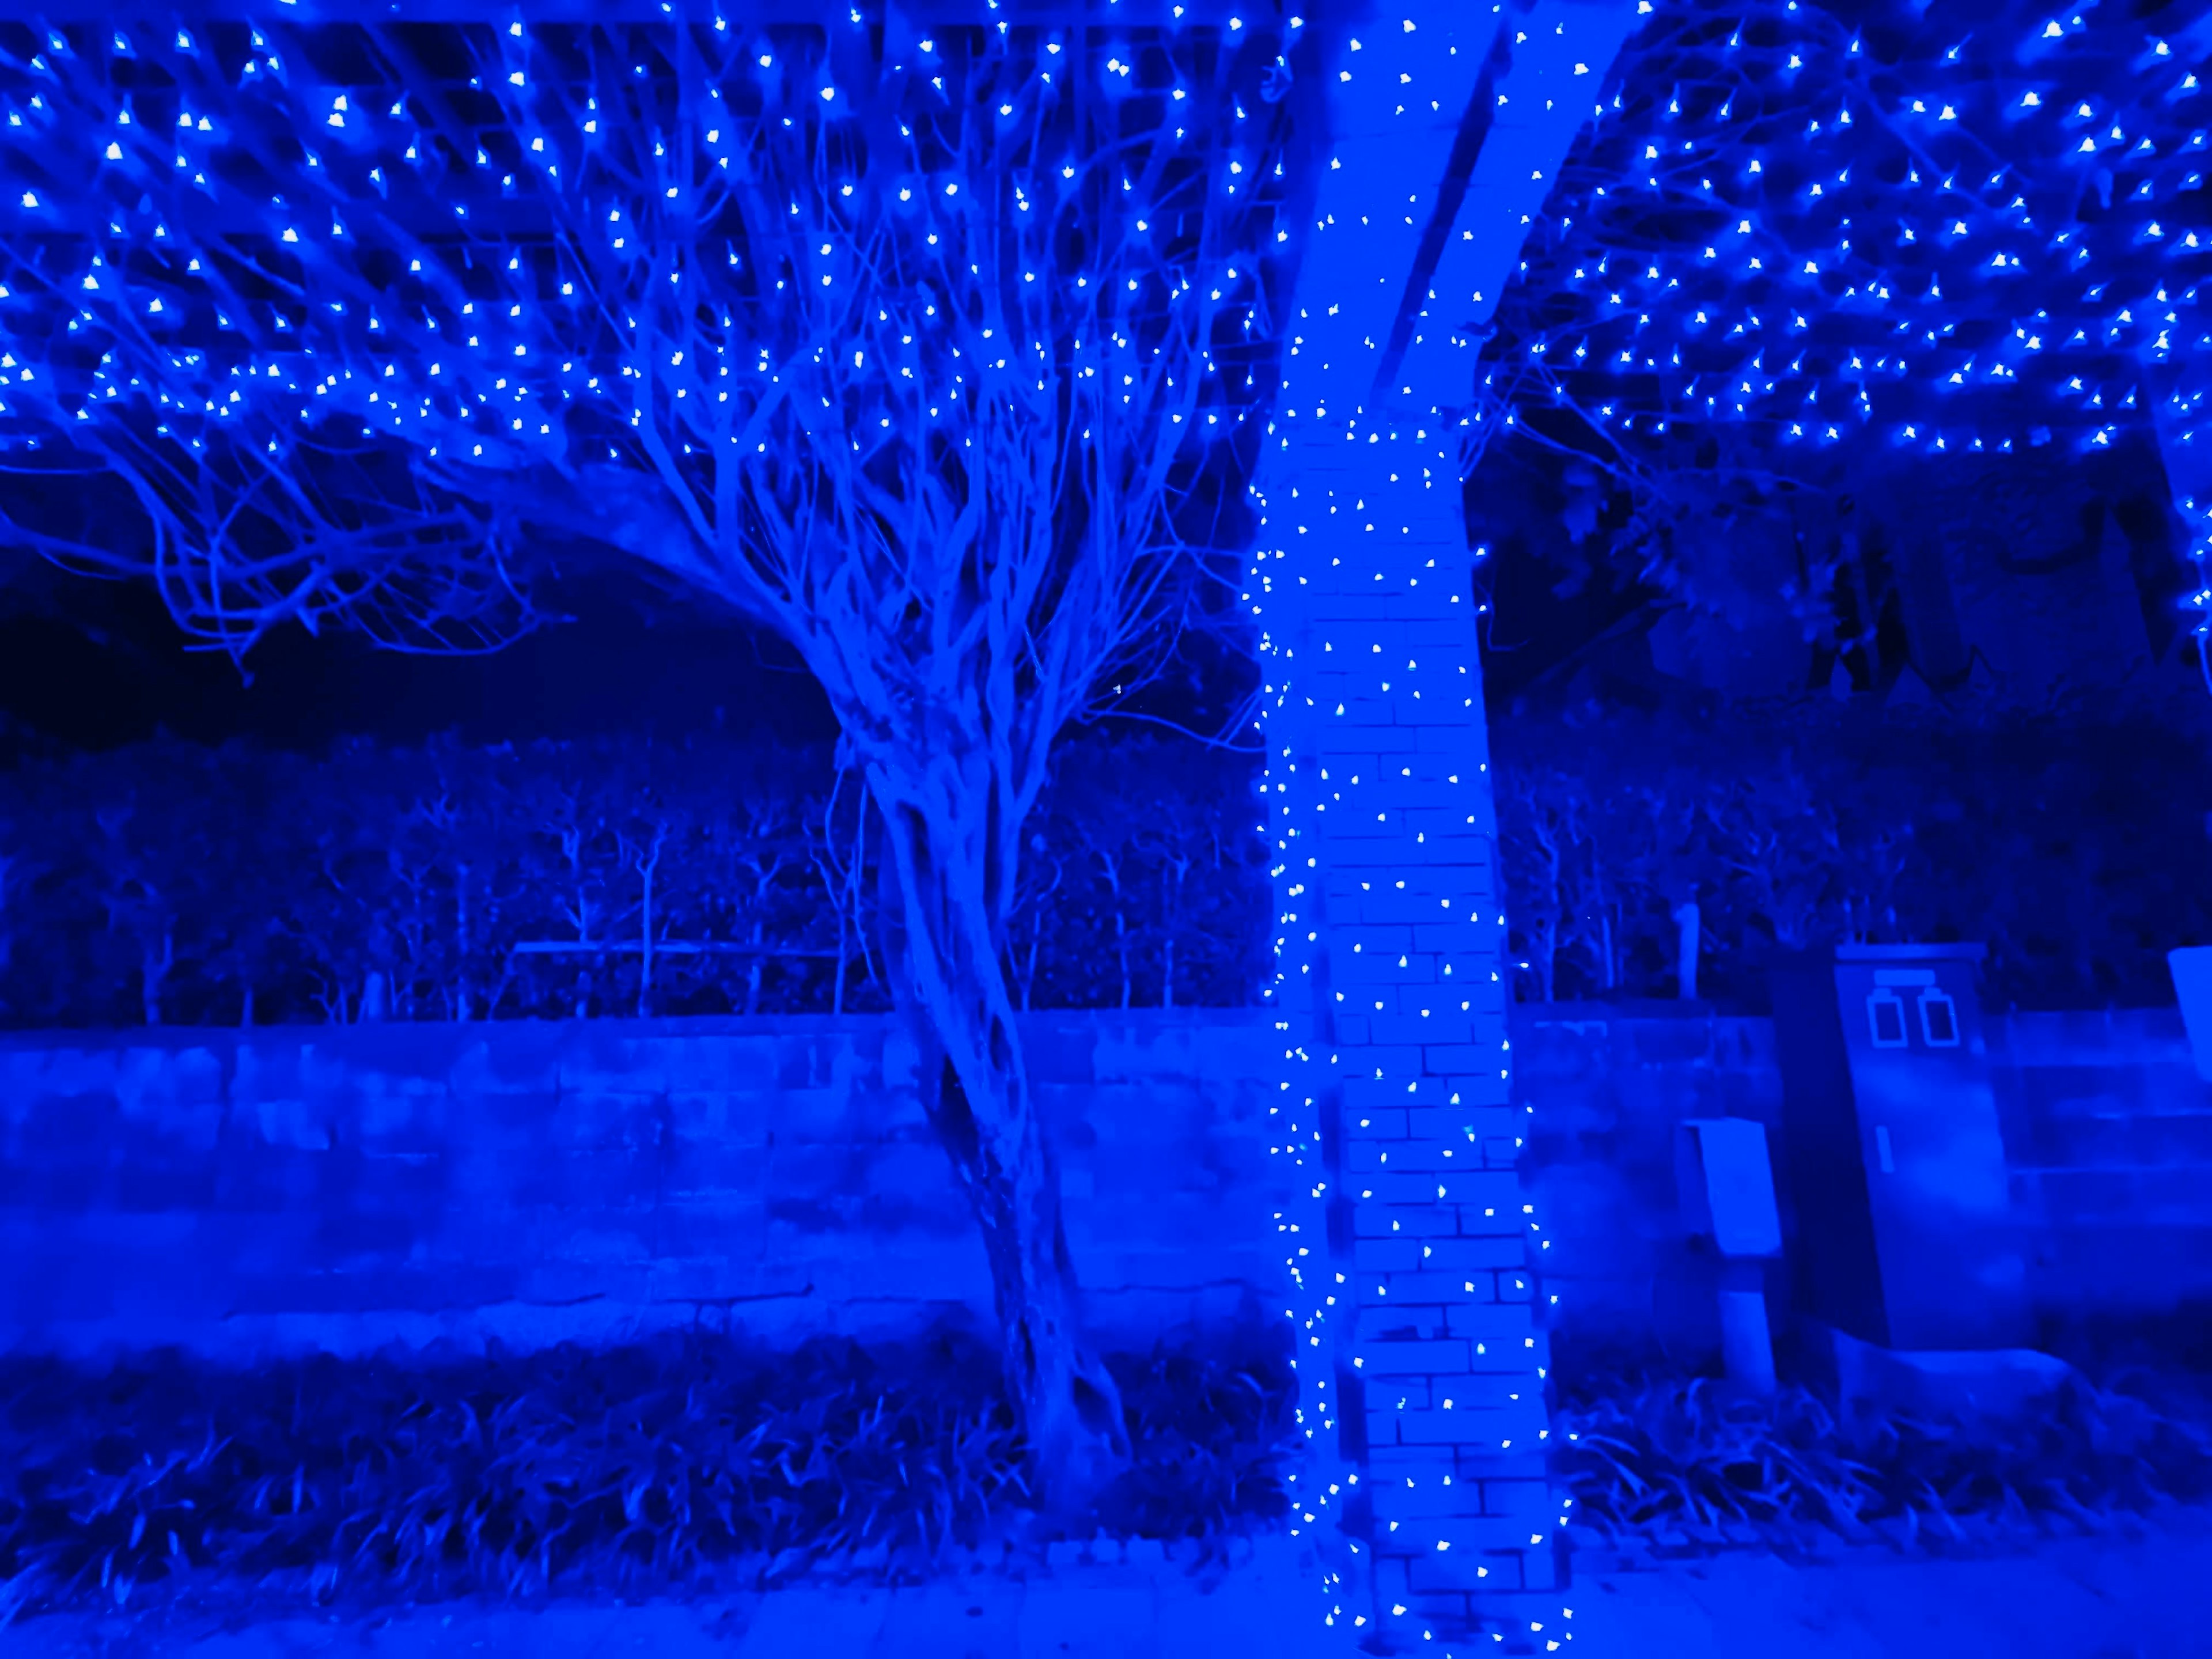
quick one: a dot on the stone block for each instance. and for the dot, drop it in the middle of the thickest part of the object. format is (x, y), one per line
(1474, 1255)
(293, 1121)
(1492, 1324)
(1363, 739)
(1439, 1356)
(1468, 1567)
(715, 1172)
(608, 1237)
(1399, 1393)
(1376, 1328)
(1385, 1125)
(1373, 1219)
(1396, 1187)
(568, 1284)
(1391, 907)
(1442, 1027)
(1471, 1056)
(505, 1060)
(1482, 1391)
(715, 1280)
(1668, 1043)
(582, 1178)
(1427, 1495)
(1530, 1500)
(1416, 1286)
(1364, 1156)
(1452, 1427)
(1544, 1566)
(1386, 1255)
(1456, 1125)
(344, 1238)
(1384, 969)
(1446, 1616)
(1386, 1577)
(721, 1117)
(730, 1224)
(1483, 1195)
(1489, 1086)
(1444, 1158)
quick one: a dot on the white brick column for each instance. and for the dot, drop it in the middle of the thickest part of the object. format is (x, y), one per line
(1421, 1358)
(1414, 1293)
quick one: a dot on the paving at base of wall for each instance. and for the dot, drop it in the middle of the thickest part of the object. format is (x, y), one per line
(2137, 1596)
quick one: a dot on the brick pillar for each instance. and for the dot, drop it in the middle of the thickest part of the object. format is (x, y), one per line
(1422, 1383)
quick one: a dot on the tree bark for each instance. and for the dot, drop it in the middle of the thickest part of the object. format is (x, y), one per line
(941, 940)
(1686, 949)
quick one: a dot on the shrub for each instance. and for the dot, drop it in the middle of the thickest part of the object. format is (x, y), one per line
(164, 883)
(2068, 852)
(611, 1471)
(1674, 1460)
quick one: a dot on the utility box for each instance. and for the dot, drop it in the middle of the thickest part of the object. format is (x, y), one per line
(2191, 967)
(1726, 1188)
(1891, 1151)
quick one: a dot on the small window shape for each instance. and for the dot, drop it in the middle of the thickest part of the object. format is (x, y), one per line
(1939, 1019)
(1886, 1018)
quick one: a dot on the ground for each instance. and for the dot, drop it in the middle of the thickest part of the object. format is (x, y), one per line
(2147, 1595)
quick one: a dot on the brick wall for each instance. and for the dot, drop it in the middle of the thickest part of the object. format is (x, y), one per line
(2107, 1132)
(241, 1191)
(343, 1187)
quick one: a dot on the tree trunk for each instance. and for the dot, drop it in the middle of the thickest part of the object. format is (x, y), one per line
(154, 970)
(1686, 949)
(462, 1010)
(941, 943)
(753, 973)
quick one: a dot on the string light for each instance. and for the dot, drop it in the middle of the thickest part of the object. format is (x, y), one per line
(1964, 305)
(491, 396)
(1807, 225)
(1410, 1250)
(484, 362)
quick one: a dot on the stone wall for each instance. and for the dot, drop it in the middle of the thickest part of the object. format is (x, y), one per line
(240, 1192)
(245, 1191)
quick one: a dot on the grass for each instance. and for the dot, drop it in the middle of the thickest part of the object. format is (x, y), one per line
(1670, 1461)
(618, 1471)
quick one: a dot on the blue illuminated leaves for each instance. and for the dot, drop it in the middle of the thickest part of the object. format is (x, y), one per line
(1999, 244)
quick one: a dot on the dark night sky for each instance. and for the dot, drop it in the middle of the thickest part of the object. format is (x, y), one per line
(89, 664)
(95, 664)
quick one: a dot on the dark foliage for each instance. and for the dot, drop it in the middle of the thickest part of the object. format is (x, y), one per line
(1675, 1461)
(162, 882)
(2076, 854)
(608, 1471)
(165, 883)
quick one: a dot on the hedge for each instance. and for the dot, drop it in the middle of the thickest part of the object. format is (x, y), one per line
(165, 883)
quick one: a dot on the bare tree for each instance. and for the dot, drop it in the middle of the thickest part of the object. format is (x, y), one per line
(911, 360)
